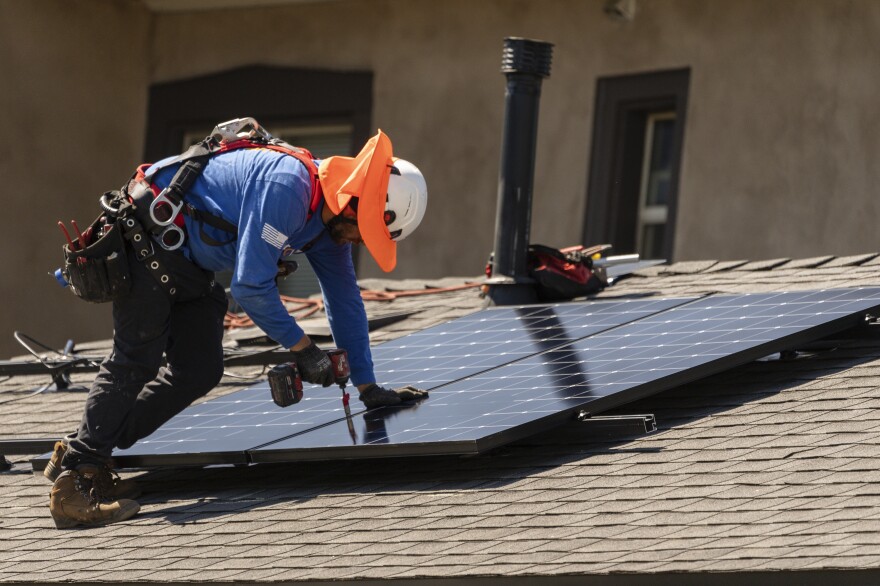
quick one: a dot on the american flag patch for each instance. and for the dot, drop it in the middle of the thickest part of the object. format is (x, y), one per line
(273, 236)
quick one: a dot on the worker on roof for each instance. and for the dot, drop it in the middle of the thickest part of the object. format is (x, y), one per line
(269, 198)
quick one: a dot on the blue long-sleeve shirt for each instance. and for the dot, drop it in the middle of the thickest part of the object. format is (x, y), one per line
(267, 195)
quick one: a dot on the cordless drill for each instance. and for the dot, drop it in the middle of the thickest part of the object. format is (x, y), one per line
(341, 371)
(286, 383)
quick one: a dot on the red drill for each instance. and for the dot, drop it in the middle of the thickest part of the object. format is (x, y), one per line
(341, 371)
(286, 383)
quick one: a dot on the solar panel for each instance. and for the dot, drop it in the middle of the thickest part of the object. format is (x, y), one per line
(490, 338)
(595, 373)
(223, 429)
(505, 373)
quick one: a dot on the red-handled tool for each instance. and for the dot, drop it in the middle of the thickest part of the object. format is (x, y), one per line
(80, 260)
(66, 234)
(79, 236)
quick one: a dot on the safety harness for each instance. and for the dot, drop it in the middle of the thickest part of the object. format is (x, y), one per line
(143, 209)
(161, 211)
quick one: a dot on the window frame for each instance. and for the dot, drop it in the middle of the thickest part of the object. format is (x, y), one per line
(623, 104)
(274, 96)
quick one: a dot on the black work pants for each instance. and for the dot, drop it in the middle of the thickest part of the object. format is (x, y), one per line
(133, 394)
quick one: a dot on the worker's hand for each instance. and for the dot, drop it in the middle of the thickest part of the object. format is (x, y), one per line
(411, 393)
(314, 365)
(375, 396)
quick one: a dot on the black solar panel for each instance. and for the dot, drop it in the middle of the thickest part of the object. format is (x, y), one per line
(595, 373)
(223, 429)
(490, 338)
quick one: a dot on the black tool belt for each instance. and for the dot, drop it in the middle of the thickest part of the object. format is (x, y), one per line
(145, 253)
(99, 272)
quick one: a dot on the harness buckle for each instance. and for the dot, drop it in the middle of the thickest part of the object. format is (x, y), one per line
(159, 208)
(239, 128)
(172, 237)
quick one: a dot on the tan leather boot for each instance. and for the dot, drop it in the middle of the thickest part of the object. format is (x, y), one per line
(53, 468)
(76, 499)
(113, 487)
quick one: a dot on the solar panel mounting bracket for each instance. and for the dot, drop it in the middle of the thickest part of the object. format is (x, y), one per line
(646, 423)
(28, 445)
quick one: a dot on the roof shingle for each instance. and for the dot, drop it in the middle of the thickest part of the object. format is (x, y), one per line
(771, 466)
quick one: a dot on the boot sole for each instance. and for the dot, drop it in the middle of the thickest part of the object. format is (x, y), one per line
(126, 511)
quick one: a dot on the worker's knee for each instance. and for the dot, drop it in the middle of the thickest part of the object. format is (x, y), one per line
(211, 378)
(127, 374)
(199, 381)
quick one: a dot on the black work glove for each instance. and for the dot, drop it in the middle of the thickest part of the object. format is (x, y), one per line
(314, 365)
(376, 396)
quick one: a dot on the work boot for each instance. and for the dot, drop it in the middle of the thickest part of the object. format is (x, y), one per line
(53, 468)
(76, 499)
(112, 486)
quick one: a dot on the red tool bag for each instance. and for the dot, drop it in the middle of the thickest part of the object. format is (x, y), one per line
(565, 274)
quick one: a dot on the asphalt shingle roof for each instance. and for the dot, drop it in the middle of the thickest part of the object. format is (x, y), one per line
(768, 467)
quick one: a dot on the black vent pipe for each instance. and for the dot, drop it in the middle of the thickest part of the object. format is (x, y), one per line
(525, 62)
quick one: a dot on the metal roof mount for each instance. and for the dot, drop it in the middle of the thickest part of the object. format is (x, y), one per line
(620, 424)
(23, 446)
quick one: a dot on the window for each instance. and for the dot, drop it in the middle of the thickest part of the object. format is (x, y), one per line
(637, 143)
(654, 189)
(326, 112)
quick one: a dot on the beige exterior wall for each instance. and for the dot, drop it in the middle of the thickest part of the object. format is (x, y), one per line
(73, 75)
(781, 131)
(782, 124)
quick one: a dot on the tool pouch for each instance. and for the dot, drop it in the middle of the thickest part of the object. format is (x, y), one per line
(99, 273)
(563, 274)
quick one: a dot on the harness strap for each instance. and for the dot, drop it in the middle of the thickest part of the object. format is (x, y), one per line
(143, 247)
(300, 154)
(185, 177)
(192, 163)
(211, 220)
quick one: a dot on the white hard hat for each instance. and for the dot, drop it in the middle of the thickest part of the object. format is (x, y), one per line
(406, 201)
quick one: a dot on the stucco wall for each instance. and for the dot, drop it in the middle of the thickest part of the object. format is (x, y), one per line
(73, 102)
(781, 128)
(782, 123)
